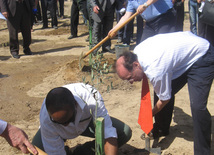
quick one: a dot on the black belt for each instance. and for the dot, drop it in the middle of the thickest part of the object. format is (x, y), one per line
(20, 1)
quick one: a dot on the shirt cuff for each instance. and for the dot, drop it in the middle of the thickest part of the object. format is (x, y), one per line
(3, 126)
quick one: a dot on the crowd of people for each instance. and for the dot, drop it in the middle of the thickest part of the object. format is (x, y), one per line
(178, 58)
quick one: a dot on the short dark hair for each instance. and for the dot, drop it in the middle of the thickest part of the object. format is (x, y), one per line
(58, 98)
(129, 58)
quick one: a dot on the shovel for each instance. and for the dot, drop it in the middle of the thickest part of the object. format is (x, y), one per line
(40, 152)
(82, 56)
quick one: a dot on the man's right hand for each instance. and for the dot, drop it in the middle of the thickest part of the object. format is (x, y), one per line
(96, 9)
(5, 14)
(17, 138)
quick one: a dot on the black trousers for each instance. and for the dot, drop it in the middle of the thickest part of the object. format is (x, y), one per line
(100, 29)
(21, 21)
(199, 79)
(61, 7)
(45, 4)
(80, 5)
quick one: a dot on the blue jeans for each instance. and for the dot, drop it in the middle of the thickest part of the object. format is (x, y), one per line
(193, 16)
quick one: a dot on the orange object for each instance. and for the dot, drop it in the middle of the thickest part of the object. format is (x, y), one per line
(145, 119)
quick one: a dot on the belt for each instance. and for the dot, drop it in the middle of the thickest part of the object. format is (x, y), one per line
(20, 1)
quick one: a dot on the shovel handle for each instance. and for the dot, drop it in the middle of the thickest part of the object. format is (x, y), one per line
(40, 152)
(125, 22)
(108, 37)
(99, 44)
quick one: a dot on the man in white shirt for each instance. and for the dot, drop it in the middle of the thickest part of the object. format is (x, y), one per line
(16, 137)
(70, 111)
(170, 61)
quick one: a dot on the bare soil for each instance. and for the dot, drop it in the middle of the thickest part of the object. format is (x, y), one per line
(55, 62)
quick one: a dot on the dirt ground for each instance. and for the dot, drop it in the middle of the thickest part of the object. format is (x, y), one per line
(25, 82)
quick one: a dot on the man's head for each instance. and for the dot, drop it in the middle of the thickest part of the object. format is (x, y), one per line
(61, 106)
(128, 67)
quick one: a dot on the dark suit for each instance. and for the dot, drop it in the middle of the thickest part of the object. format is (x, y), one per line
(19, 19)
(52, 5)
(103, 21)
(77, 5)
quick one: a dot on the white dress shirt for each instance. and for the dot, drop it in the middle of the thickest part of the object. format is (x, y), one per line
(165, 57)
(53, 134)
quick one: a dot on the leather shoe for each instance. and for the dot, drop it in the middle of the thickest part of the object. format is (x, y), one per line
(155, 134)
(108, 49)
(72, 36)
(55, 27)
(27, 51)
(44, 27)
(15, 55)
(119, 40)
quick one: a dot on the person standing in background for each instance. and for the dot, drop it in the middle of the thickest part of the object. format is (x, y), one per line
(61, 8)
(103, 18)
(52, 5)
(160, 16)
(18, 14)
(205, 30)
(193, 15)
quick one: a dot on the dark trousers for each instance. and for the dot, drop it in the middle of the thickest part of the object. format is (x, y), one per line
(101, 29)
(140, 27)
(21, 21)
(206, 31)
(199, 79)
(126, 33)
(52, 5)
(179, 7)
(61, 7)
(77, 6)
(74, 18)
(124, 133)
(164, 23)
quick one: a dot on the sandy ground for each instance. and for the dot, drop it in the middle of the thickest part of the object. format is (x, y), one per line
(25, 82)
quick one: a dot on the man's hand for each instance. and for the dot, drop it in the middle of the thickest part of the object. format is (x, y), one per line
(159, 105)
(141, 8)
(18, 139)
(110, 146)
(5, 14)
(96, 9)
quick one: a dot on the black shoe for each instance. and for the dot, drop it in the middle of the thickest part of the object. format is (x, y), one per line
(55, 27)
(155, 134)
(44, 27)
(87, 39)
(27, 51)
(15, 55)
(119, 40)
(132, 40)
(108, 49)
(72, 36)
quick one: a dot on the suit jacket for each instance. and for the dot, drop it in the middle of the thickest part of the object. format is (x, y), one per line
(102, 5)
(10, 6)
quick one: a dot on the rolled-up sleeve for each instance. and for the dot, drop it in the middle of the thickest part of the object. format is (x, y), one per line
(3, 126)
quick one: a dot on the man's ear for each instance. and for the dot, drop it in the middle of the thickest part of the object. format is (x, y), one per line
(135, 64)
